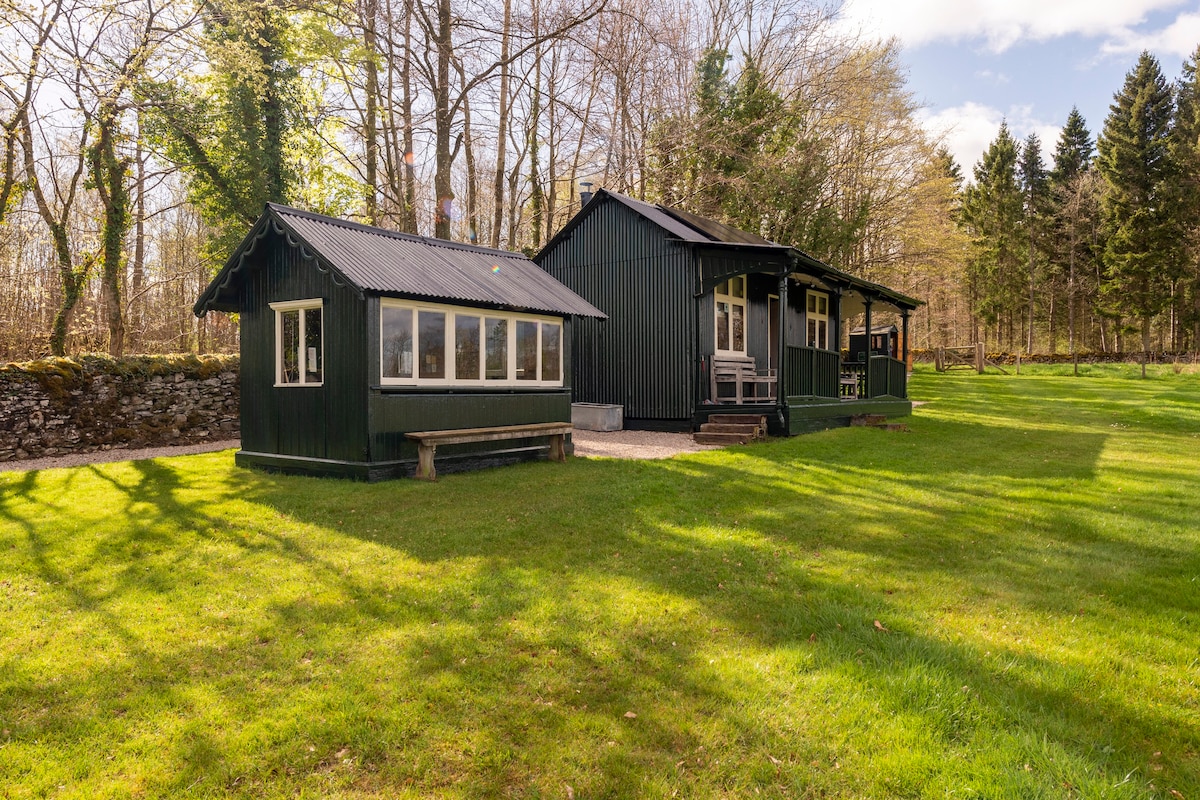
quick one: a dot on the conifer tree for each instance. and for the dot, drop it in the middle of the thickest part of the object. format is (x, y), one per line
(992, 211)
(1139, 218)
(1185, 150)
(1073, 153)
(1035, 185)
(1074, 225)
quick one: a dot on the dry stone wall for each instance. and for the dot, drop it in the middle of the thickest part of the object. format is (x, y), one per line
(60, 405)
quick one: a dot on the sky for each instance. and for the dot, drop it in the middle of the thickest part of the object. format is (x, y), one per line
(974, 63)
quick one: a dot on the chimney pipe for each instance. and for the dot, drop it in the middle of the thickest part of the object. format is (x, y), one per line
(585, 193)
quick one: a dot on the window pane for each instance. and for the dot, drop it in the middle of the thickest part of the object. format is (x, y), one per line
(527, 350)
(466, 348)
(737, 287)
(551, 351)
(722, 287)
(823, 305)
(739, 327)
(496, 359)
(812, 304)
(289, 346)
(432, 343)
(722, 326)
(397, 349)
(812, 333)
(823, 334)
(314, 355)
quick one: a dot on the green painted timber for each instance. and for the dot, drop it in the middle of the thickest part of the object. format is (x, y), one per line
(810, 414)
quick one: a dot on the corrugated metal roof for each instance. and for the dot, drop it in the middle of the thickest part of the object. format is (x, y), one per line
(718, 231)
(708, 233)
(386, 262)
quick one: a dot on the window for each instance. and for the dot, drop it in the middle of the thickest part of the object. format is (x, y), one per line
(730, 297)
(299, 350)
(428, 344)
(466, 347)
(817, 317)
(497, 349)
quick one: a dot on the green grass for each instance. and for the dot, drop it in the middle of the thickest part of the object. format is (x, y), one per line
(1030, 552)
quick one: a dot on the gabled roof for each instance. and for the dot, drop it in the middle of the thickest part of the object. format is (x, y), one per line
(715, 236)
(378, 261)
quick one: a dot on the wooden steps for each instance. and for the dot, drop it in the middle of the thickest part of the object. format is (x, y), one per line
(726, 429)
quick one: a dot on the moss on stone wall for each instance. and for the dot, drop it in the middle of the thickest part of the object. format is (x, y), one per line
(60, 405)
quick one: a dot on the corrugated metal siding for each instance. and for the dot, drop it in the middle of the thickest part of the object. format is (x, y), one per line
(328, 421)
(643, 356)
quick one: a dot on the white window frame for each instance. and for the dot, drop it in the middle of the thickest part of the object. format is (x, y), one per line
(301, 306)
(727, 297)
(809, 295)
(451, 379)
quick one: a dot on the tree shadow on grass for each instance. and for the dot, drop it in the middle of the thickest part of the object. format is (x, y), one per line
(487, 635)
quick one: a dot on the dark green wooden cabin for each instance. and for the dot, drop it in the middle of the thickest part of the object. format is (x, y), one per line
(684, 294)
(352, 336)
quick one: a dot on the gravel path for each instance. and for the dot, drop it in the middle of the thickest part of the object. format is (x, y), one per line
(635, 444)
(105, 456)
(617, 444)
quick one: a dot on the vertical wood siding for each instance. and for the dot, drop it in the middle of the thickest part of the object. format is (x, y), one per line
(643, 356)
(328, 421)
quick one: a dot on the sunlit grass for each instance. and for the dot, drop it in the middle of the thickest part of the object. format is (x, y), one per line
(1004, 602)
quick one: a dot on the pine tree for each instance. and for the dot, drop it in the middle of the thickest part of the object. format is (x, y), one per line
(1073, 153)
(1075, 220)
(1035, 185)
(1141, 224)
(992, 211)
(1185, 150)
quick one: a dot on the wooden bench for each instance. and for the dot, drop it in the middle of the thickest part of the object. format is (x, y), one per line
(747, 380)
(427, 441)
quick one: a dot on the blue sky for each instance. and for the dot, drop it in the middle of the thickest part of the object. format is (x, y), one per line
(973, 63)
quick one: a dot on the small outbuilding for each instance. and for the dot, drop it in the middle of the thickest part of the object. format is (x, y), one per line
(354, 337)
(702, 317)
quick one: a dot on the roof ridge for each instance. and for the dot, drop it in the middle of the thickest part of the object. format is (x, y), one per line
(433, 241)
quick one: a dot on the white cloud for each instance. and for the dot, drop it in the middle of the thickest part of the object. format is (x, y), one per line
(967, 130)
(1180, 39)
(1001, 23)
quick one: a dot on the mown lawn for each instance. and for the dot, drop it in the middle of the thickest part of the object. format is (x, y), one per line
(1004, 602)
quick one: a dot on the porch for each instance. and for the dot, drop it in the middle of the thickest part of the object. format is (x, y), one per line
(822, 391)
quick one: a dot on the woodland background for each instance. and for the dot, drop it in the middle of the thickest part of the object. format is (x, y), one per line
(141, 139)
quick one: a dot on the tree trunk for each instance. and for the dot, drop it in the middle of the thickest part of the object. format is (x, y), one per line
(443, 119)
(137, 304)
(536, 195)
(108, 175)
(472, 172)
(370, 14)
(502, 126)
(409, 212)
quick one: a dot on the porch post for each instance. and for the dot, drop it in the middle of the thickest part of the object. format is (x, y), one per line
(904, 349)
(781, 345)
(867, 303)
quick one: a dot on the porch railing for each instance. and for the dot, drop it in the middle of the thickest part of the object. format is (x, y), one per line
(811, 372)
(888, 376)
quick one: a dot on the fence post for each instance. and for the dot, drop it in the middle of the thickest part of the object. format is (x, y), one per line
(979, 357)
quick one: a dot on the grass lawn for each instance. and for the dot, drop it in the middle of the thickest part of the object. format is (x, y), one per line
(1004, 602)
